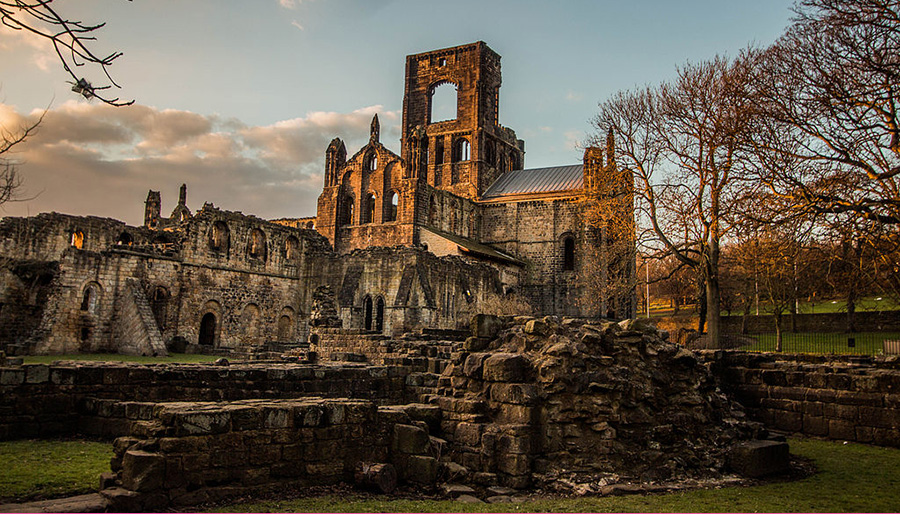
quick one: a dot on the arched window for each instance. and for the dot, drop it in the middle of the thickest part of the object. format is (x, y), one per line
(513, 161)
(208, 330)
(158, 305)
(503, 163)
(125, 239)
(256, 249)
(432, 212)
(90, 298)
(391, 207)
(461, 150)
(77, 239)
(367, 309)
(439, 150)
(370, 163)
(569, 253)
(219, 237)
(291, 248)
(369, 209)
(490, 154)
(284, 328)
(347, 211)
(443, 102)
(379, 314)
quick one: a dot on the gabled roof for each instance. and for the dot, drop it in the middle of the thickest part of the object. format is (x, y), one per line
(473, 247)
(537, 180)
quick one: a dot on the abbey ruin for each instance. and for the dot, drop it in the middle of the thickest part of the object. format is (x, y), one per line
(399, 243)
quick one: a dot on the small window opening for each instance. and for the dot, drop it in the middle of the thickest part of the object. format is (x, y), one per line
(257, 247)
(371, 162)
(461, 150)
(439, 151)
(391, 207)
(442, 62)
(369, 212)
(284, 328)
(291, 247)
(77, 239)
(347, 211)
(367, 306)
(379, 314)
(569, 254)
(219, 237)
(125, 239)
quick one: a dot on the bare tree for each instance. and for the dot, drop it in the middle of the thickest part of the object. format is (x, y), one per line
(681, 142)
(10, 180)
(72, 40)
(828, 98)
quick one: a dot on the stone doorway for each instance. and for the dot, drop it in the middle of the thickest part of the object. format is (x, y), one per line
(367, 308)
(379, 314)
(208, 330)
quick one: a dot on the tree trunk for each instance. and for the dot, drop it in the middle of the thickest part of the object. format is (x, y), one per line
(778, 346)
(851, 313)
(701, 303)
(713, 314)
(744, 318)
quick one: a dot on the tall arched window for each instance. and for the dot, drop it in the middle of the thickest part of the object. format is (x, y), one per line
(77, 239)
(569, 253)
(346, 217)
(461, 150)
(443, 103)
(379, 314)
(158, 305)
(207, 330)
(90, 298)
(284, 328)
(257, 247)
(367, 312)
(370, 163)
(439, 150)
(390, 207)
(219, 237)
(369, 209)
(291, 248)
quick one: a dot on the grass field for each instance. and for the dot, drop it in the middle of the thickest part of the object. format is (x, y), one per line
(819, 307)
(115, 357)
(865, 343)
(850, 478)
(34, 470)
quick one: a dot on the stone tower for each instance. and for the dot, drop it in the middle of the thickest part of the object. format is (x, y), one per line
(465, 154)
(152, 208)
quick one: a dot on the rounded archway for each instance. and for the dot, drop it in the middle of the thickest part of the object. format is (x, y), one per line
(367, 312)
(207, 330)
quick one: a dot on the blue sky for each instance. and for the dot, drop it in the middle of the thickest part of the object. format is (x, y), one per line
(238, 99)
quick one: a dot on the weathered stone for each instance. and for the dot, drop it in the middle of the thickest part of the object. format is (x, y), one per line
(143, 471)
(759, 458)
(422, 469)
(473, 366)
(537, 327)
(506, 367)
(524, 394)
(468, 498)
(455, 490)
(486, 326)
(410, 439)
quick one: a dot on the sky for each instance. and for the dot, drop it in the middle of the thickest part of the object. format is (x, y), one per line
(239, 99)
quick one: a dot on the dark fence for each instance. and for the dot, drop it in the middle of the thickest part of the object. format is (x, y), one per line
(856, 343)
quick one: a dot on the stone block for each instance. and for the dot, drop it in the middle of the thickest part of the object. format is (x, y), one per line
(523, 394)
(10, 376)
(514, 464)
(486, 326)
(506, 367)
(537, 327)
(421, 469)
(468, 434)
(143, 471)
(37, 374)
(759, 458)
(410, 439)
(199, 423)
(473, 366)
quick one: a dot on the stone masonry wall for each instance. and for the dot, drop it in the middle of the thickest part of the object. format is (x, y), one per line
(853, 399)
(66, 398)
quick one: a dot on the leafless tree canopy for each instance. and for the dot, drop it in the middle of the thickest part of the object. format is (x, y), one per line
(72, 40)
(827, 132)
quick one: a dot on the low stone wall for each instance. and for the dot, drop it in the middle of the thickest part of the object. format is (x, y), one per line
(60, 399)
(844, 398)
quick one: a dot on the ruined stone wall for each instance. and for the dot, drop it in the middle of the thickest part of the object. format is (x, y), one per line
(843, 398)
(534, 231)
(87, 398)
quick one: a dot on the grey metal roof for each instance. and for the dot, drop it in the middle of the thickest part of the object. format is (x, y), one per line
(537, 180)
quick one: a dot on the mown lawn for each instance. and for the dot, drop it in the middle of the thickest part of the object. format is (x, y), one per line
(865, 343)
(115, 357)
(32, 470)
(851, 478)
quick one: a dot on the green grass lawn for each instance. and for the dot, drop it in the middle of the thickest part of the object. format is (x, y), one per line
(33, 470)
(851, 478)
(872, 303)
(115, 357)
(865, 343)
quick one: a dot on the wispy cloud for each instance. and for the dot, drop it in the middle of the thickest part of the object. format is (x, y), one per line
(573, 96)
(297, 24)
(100, 160)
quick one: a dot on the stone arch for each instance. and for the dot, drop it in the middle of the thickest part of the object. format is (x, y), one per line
(346, 210)
(159, 300)
(125, 239)
(368, 312)
(291, 248)
(219, 237)
(256, 247)
(209, 324)
(368, 208)
(443, 101)
(285, 326)
(90, 297)
(379, 314)
(461, 150)
(370, 161)
(391, 206)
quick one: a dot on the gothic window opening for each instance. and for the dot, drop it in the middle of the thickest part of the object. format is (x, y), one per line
(379, 314)
(371, 162)
(461, 150)
(257, 247)
(89, 298)
(443, 103)
(369, 206)
(513, 161)
(569, 253)
(347, 211)
(158, 305)
(125, 239)
(208, 330)
(284, 328)
(367, 308)
(219, 237)
(490, 154)
(77, 239)
(291, 248)
(391, 207)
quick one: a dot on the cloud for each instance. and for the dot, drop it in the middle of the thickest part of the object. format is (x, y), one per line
(297, 24)
(573, 96)
(90, 159)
